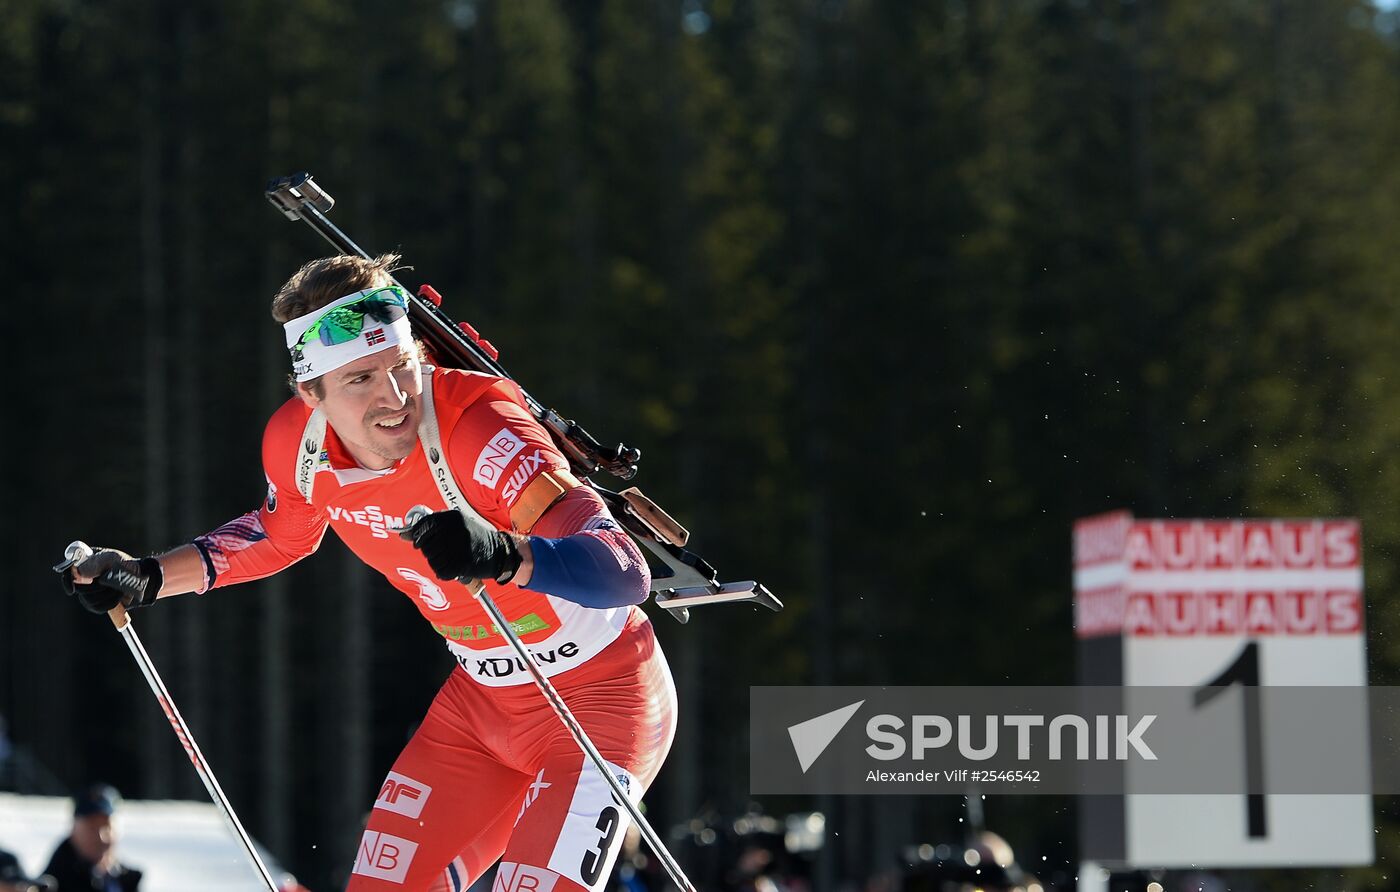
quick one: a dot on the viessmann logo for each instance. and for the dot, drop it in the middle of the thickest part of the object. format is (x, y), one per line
(978, 738)
(371, 516)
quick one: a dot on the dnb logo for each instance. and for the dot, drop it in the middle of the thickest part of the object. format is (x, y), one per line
(429, 592)
(403, 795)
(384, 857)
(495, 456)
(515, 877)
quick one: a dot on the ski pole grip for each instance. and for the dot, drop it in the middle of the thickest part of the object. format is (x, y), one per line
(118, 617)
(76, 552)
(79, 551)
(417, 513)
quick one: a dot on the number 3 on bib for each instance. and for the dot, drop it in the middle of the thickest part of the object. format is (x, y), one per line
(593, 862)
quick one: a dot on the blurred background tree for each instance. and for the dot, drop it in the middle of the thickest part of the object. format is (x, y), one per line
(888, 294)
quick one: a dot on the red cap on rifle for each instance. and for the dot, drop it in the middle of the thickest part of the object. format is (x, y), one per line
(429, 293)
(477, 339)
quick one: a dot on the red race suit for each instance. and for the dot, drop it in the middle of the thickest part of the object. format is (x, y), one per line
(491, 772)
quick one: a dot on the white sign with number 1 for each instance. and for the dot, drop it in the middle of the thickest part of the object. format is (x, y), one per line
(1217, 606)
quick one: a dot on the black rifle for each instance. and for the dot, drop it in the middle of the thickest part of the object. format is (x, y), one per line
(685, 579)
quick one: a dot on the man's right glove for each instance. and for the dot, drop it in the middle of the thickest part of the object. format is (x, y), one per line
(456, 548)
(117, 578)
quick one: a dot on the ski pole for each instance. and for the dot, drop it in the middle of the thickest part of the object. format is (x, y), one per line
(561, 709)
(80, 551)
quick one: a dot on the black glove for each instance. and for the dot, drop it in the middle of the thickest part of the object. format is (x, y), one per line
(120, 579)
(456, 547)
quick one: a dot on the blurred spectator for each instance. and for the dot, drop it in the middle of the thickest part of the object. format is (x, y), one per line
(86, 861)
(12, 878)
(985, 863)
(762, 862)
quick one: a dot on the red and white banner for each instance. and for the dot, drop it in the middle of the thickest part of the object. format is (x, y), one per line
(1217, 577)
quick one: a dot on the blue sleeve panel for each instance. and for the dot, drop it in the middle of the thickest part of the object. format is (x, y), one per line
(582, 569)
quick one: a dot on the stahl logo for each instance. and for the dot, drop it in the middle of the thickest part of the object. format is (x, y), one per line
(306, 467)
(384, 857)
(449, 493)
(403, 795)
(433, 454)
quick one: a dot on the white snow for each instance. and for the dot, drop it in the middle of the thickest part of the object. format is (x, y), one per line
(178, 845)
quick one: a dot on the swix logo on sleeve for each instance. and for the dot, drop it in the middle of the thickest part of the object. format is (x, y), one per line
(384, 857)
(429, 592)
(529, 464)
(495, 455)
(371, 516)
(403, 795)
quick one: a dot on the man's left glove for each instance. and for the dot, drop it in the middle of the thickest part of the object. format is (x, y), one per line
(117, 578)
(456, 547)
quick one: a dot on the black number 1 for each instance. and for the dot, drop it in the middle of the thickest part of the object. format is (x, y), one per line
(592, 865)
(1244, 671)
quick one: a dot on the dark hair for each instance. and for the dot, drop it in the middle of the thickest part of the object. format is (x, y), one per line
(323, 281)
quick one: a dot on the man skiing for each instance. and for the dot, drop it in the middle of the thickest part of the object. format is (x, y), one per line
(373, 431)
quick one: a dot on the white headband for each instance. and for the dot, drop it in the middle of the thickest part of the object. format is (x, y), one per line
(317, 358)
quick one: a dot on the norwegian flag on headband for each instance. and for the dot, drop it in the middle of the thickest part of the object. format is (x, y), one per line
(376, 336)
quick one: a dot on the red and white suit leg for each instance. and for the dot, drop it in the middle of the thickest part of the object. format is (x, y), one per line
(571, 828)
(449, 796)
(492, 773)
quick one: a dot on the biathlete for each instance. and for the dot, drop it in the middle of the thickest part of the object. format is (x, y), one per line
(372, 431)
